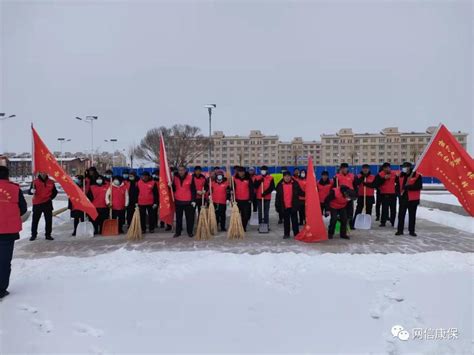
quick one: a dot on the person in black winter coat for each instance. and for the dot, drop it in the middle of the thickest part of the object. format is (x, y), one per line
(132, 180)
(288, 193)
(77, 215)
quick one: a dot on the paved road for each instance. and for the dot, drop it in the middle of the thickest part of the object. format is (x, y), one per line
(431, 237)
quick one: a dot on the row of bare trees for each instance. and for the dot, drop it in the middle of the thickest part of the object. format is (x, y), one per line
(183, 143)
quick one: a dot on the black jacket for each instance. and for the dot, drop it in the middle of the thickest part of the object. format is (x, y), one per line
(297, 192)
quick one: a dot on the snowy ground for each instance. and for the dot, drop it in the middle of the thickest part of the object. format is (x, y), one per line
(264, 294)
(440, 196)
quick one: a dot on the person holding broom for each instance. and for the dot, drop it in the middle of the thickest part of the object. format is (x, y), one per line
(184, 196)
(117, 199)
(220, 196)
(244, 194)
(202, 187)
(288, 200)
(264, 185)
(130, 179)
(147, 201)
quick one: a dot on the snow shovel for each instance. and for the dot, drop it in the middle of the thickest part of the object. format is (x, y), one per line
(254, 219)
(85, 229)
(110, 226)
(263, 227)
(363, 220)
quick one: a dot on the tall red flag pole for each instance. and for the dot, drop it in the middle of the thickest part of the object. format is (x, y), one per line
(166, 191)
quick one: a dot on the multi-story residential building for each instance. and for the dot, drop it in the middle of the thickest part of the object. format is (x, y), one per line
(21, 167)
(257, 149)
(374, 148)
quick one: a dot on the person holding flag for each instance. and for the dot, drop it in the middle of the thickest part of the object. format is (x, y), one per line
(408, 186)
(44, 192)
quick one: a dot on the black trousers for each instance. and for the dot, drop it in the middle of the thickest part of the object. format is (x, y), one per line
(147, 212)
(302, 212)
(411, 207)
(323, 208)
(76, 223)
(254, 205)
(389, 208)
(103, 214)
(130, 212)
(220, 214)
(369, 203)
(290, 215)
(245, 212)
(6, 254)
(350, 213)
(342, 214)
(265, 218)
(189, 212)
(120, 215)
(378, 205)
(47, 210)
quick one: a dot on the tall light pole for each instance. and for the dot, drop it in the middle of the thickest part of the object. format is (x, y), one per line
(209, 110)
(90, 120)
(3, 117)
(61, 142)
(113, 141)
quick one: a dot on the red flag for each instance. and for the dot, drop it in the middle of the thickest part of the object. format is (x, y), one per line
(445, 159)
(166, 194)
(45, 162)
(314, 230)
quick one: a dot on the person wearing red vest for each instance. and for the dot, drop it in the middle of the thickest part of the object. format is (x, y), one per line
(12, 207)
(409, 185)
(365, 194)
(345, 178)
(324, 185)
(264, 185)
(96, 195)
(202, 187)
(185, 200)
(288, 193)
(117, 198)
(301, 180)
(336, 202)
(280, 212)
(244, 194)
(385, 181)
(220, 196)
(147, 199)
(44, 191)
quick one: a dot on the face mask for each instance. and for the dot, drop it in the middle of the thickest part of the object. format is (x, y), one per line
(264, 172)
(131, 178)
(107, 176)
(303, 175)
(219, 177)
(116, 182)
(125, 176)
(155, 177)
(348, 198)
(77, 181)
(99, 181)
(405, 170)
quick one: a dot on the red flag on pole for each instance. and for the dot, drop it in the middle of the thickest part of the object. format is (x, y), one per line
(445, 159)
(166, 193)
(44, 161)
(314, 230)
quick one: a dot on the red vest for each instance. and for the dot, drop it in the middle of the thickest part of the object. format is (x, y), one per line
(302, 183)
(388, 187)
(145, 193)
(323, 190)
(98, 195)
(118, 196)
(413, 195)
(183, 190)
(10, 221)
(219, 192)
(43, 191)
(339, 200)
(369, 191)
(242, 191)
(267, 179)
(346, 180)
(287, 195)
(127, 184)
(199, 182)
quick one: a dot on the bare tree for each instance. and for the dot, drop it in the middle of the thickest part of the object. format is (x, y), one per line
(183, 144)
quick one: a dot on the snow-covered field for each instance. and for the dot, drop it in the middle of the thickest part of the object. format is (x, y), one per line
(136, 302)
(440, 196)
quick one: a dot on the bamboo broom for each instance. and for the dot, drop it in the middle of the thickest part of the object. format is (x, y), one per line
(236, 229)
(212, 220)
(134, 232)
(202, 230)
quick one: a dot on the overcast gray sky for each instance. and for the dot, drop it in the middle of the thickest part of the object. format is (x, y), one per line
(292, 68)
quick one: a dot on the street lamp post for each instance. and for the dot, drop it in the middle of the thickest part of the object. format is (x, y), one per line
(61, 142)
(3, 117)
(90, 120)
(113, 141)
(209, 110)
